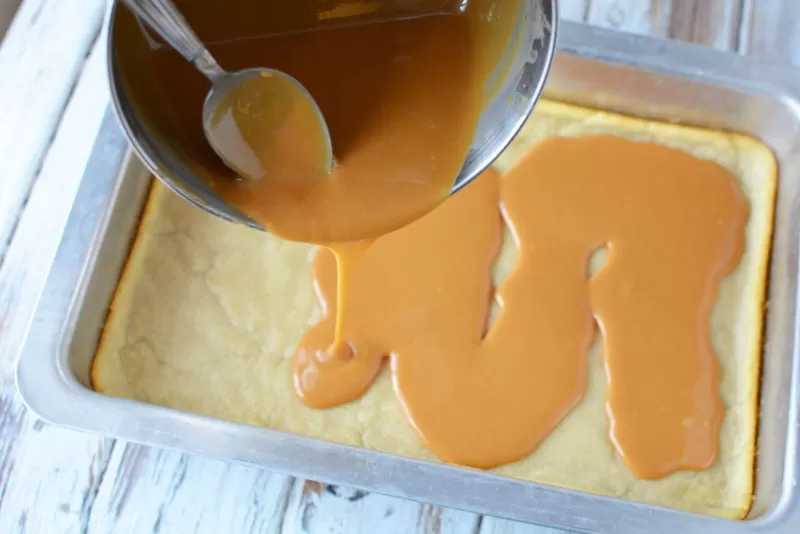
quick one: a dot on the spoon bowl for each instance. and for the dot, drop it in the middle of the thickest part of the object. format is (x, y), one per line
(263, 122)
(259, 121)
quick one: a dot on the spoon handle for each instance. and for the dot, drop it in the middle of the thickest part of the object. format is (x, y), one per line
(163, 17)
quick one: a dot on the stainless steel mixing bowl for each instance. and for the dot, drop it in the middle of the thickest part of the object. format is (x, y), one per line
(519, 78)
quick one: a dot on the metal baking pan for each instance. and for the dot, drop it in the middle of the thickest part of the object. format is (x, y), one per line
(594, 67)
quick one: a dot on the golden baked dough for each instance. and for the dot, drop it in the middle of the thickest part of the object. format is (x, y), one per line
(207, 316)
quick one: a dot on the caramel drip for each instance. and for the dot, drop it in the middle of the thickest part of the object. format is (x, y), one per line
(348, 256)
(673, 226)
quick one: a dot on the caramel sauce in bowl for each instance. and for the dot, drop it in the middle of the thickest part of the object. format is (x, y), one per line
(491, 60)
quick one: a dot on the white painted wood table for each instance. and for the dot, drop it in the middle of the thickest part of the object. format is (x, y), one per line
(52, 97)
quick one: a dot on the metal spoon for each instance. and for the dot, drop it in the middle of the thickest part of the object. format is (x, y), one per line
(225, 136)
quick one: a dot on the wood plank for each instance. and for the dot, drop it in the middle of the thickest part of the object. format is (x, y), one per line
(574, 10)
(31, 251)
(152, 490)
(493, 525)
(322, 508)
(41, 59)
(771, 29)
(635, 16)
(8, 9)
(712, 23)
(49, 476)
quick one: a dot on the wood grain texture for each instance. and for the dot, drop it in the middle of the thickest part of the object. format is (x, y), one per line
(713, 23)
(316, 508)
(49, 476)
(41, 59)
(493, 525)
(28, 257)
(771, 29)
(634, 16)
(574, 10)
(8, 8)
(152, 490)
